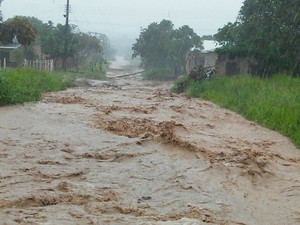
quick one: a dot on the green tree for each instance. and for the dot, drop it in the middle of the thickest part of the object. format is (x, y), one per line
(160, 46)
(183, 39)
(21, 27)
(88, 48)
(269, 31)
(153, 44)
(51, 39)
(38, 26)
(82, 48)
(228, 34)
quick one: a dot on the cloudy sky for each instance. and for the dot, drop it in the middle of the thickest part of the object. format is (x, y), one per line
(128, 16)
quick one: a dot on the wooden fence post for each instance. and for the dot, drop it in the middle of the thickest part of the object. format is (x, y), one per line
(52, 65)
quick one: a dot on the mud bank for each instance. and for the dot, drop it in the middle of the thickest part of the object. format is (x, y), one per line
(131, 152)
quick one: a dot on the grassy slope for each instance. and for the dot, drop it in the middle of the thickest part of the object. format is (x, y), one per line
(273, 103)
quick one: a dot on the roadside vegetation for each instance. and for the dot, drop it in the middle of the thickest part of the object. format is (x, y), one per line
(25, 85)
(159, 74)
(32, 34)
(271, 98)
(273, 102)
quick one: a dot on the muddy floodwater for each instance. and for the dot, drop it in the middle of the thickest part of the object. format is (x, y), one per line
(128, 151)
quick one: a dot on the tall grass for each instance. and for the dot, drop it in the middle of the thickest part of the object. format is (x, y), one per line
(273, 102)
(24, 85)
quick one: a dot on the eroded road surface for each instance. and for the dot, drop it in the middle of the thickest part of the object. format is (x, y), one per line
(130, 152)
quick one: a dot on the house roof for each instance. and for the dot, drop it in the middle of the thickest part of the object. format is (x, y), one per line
(15, 44)
(10, 46)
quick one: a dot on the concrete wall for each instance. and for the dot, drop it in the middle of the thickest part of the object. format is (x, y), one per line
(226, 65)
(210, 59)
(197, 58)
(223, 64)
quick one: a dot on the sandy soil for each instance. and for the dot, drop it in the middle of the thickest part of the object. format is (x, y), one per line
(130, 152)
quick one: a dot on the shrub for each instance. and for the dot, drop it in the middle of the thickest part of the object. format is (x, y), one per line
(181, 84)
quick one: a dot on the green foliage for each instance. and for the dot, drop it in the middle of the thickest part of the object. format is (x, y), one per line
(152, 44)
(181, 84)
(52, 39)
(162, 46)
(19, 26)
(267, 30)
(273, 102)
(24, 85)
(88, 48)
(228, 34)
(160, 74)
(82, 48)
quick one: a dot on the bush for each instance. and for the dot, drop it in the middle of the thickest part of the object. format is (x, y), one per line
(181, 84)
(273, 102)
(160, 74)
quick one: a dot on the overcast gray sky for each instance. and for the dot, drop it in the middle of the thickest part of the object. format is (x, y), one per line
(128, 16)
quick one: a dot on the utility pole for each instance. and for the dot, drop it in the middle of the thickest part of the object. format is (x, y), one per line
(66, 35)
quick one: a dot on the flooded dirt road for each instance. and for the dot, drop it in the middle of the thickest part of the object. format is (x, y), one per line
(130, 152)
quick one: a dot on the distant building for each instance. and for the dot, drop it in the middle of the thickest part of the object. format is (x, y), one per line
(5, 52)
(223, 64)
(233, 65)
(196, 58)
(14, 45)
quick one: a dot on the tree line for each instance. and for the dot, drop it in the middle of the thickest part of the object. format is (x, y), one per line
(266, 31)
(83, 48)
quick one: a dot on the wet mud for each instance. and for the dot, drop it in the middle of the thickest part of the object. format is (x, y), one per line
(129, 151)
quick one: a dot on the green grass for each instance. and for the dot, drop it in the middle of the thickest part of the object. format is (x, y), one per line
(273, 102)
(25, 85)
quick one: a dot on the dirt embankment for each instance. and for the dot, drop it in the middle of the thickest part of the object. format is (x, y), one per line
(131, 152)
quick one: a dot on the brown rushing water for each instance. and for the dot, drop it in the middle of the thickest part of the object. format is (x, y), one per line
(130, 152)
